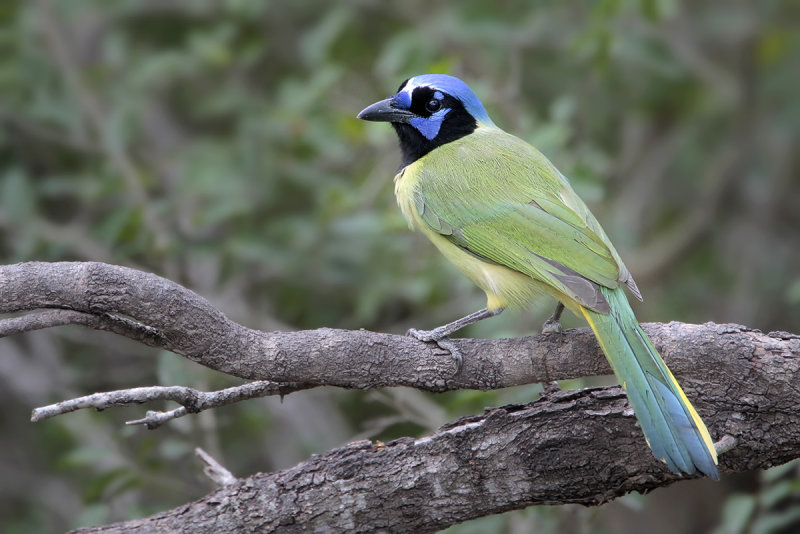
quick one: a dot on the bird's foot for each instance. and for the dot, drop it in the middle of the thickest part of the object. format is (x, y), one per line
(552, 326)
(441, 339)
(425, 335)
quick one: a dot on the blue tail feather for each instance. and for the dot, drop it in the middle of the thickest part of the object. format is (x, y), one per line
(674, 431)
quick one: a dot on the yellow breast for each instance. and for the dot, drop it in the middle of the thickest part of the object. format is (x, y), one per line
(504, 287)
(404, 182)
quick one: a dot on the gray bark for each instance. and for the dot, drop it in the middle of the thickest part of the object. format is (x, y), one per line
(568, 447)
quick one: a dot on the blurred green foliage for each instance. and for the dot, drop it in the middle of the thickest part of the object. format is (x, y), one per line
(214, 142)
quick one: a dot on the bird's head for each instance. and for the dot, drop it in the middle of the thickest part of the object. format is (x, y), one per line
(428, 111)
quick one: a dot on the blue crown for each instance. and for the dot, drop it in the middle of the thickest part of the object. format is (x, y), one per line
(455, 88)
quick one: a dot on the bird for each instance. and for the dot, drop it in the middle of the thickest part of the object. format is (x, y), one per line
(504, 215)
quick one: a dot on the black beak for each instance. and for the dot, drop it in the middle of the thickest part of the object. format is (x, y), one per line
(384, 111)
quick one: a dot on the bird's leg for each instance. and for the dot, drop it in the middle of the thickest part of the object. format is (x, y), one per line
(445, 330)
(553, 324)
(439, 334)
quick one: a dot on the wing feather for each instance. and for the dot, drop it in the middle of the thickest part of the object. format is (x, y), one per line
(497, 197)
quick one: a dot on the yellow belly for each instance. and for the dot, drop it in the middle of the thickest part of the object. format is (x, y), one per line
(504, 287)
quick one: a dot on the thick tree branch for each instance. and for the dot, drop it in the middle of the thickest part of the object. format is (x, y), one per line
(569, 447)
(159, 313)
(579, 447)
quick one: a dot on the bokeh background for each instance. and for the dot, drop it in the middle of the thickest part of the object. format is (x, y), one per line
(214, 142)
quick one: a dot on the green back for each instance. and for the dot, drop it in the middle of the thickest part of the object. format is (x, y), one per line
(500, 198)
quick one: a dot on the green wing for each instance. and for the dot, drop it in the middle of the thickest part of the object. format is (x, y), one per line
(499, 198)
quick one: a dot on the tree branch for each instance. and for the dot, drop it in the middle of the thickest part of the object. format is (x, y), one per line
(191, 400)
(159, 313)
(568, 447)
(215, 470)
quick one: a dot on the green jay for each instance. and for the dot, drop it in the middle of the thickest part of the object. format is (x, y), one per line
(510, 221)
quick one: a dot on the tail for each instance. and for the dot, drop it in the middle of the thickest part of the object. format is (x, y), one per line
(674, 431)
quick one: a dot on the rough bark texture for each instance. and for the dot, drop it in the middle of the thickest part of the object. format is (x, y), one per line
(160, 313)
(577, 447)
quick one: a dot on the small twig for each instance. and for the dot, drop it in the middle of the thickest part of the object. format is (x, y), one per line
(191, 400)
(40, 319)
(726, 443)
(154, 419)
(45, 133)
(214, 470)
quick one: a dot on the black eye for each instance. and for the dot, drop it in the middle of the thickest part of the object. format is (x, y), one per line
(433, 105)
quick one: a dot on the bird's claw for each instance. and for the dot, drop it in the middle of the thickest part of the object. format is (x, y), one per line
(448, 345)
(442, 341)
(552, 326)
(422, 335)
